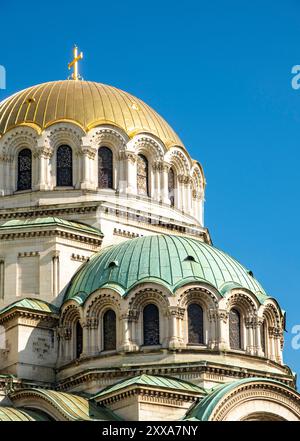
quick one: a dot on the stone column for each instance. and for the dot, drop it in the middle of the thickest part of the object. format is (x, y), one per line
(249, 323)
(156, 193)
(93, 324)
(164, 191)
(128, 180)
(64, 346)
(126, 345)
(40, 179)
(85, 339)
(257, 337)
(55, 273)
(223, 333)
(278, 337)
(175, 314)
(212, 337)
(188, 194)
(272, 348)
(180, 192)
(87, 154)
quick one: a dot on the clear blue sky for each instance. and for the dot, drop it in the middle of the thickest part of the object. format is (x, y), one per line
(220, 73)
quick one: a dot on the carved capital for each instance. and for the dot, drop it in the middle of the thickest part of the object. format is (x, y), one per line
(88, 151)
(176, 311)
(222, 315)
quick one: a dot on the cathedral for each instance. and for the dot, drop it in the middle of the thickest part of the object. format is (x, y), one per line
(114, 303)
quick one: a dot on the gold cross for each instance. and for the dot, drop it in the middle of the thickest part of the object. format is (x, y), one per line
(74, 62)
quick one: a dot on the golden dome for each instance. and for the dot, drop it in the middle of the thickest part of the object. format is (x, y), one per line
(86, 103)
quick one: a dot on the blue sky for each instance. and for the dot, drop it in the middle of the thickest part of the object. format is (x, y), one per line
(220, 73)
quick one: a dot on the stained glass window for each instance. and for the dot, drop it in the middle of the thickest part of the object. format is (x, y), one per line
(79, 339)
(151, 325)
(105, 168)
(235, 329)
(24, 170)
(142, 175)
(195, 319)
(263, 337)
(109, 330)
(171, 186)
(64, 166)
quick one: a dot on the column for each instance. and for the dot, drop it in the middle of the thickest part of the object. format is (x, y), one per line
(93, 324)
(175, 316)
(164, 191)
(128, 184)
(156, 168)
(2, 275)
(55, 273)
(126, 343)
(249, 335)
(40, 164)
(188, 194)
(88, 155)
(272, 352)
(278, 340)
(212, 343)
(223, 333)
(180, 192)
(257, 338)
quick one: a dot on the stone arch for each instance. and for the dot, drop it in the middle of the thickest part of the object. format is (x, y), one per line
(12, 143)
(140, 299)
(239, 403)
(179, 159)
(68, 134)
(208, 301)
(148, 146)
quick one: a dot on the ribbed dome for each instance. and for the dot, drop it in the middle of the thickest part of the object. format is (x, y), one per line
(85, 103)
(166, 259)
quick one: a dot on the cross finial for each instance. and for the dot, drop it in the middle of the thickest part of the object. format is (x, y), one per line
(74, 62)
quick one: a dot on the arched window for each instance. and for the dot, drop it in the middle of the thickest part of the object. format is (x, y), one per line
(171, 186)
(195, 323)
(235, 329)
(105, 168)
(24, 170)
(151, 325)
(142, 175)
(64, 166)
(79, 339)
(109, 330)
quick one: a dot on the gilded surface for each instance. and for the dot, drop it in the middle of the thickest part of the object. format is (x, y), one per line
(86, 103)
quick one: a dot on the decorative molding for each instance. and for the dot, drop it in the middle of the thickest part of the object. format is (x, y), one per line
(79, 258)
(124, 233)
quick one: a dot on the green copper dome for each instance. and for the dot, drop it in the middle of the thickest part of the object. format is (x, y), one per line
(166, 259)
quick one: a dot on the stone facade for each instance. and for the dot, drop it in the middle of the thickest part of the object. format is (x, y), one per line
(54, 345)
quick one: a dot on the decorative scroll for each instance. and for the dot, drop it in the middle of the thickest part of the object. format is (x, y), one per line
(109, 330)
(79, 339)
(24, 170)
(64, 166)
(151, 325)
(105, 168)
(171, 186)
(142, 175)
(195, 324)
(235, 329)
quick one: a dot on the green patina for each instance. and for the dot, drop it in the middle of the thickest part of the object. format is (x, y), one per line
(167, 383)
(41, 222)
(13, 414)
(161, 259)
(203, 410)
(31, 304)
(75, 407)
